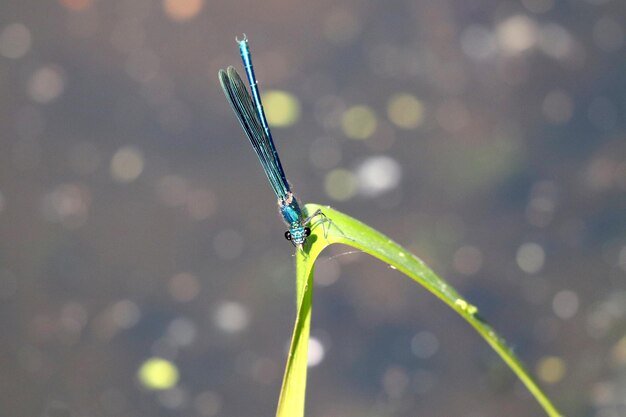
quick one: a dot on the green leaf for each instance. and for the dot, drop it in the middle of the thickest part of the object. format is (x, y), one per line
(337, 227)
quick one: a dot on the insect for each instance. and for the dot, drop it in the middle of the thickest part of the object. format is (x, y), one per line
(249, 111)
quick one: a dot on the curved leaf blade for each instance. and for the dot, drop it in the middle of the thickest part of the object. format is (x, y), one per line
(349, 231)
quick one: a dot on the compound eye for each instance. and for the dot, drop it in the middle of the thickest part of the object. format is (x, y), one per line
(288, 235)
(307, 231)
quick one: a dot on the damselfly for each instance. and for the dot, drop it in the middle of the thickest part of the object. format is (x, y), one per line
(249, 111)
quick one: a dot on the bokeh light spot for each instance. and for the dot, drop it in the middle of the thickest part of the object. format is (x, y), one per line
(184, 287)
(467, 260)
(67, 204)
(517, 34)
(282, 109)
(556, 41)
(395, 382)
(232, 317)
(181, 10)
(76, 5)
(316, 352)
(377, 175)
(565, 304)
(542, 204)
(551, 369)
(405, 111)
(174, 399)
(125, 314)
(340, 184)
(46, 84)
(530, 257)
(158, 374)
(15, 41)
(359, 122)
(608, 33)
(424, 344)
(478, 42)
(182, 332)
(127, 164)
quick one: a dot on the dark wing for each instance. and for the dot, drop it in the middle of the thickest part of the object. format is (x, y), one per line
(243, 106)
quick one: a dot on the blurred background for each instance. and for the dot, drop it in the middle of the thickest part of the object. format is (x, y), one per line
(143, 269)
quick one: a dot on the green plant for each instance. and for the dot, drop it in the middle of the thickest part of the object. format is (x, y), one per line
(348, 231)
